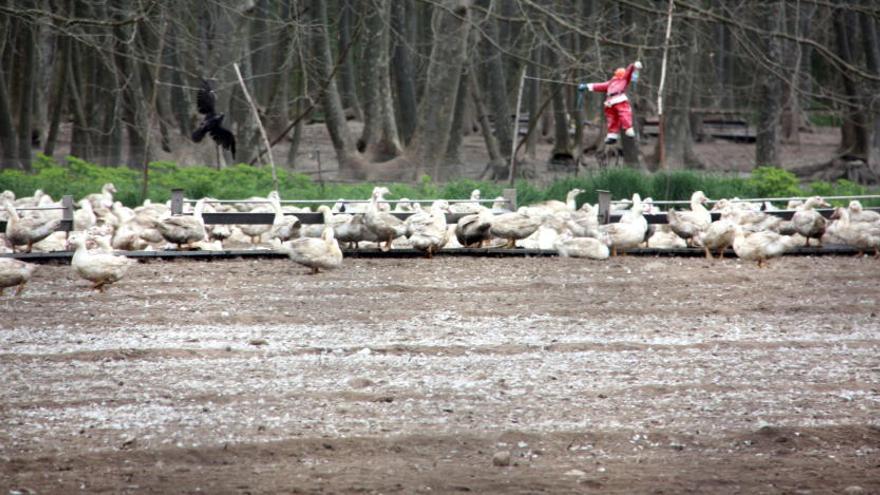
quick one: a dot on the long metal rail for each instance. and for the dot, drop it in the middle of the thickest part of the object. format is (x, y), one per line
(66, 208)
(65, 256)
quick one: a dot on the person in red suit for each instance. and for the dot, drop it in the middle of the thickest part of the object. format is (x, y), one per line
(618, 112)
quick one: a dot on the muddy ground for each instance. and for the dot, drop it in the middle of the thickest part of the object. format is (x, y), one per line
(636, 375)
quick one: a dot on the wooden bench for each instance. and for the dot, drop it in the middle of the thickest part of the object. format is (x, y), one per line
(710, 123)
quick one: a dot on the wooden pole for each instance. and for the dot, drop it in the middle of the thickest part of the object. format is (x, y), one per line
(522, 80)
(259, 124)
(661, 124)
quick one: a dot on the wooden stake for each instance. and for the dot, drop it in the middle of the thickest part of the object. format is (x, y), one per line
(259, 124)
(661, 137)
(522, 80)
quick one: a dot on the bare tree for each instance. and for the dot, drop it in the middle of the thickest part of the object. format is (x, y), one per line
(769, 90)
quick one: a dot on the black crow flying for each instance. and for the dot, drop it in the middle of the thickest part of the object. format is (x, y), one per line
(211, 124)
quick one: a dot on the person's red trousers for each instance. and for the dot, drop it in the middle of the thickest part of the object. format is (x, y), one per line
(619, 116)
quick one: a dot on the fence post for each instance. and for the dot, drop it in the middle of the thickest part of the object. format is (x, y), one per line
(604, 205)
(177, 201)
(67, 213)
(509, 195)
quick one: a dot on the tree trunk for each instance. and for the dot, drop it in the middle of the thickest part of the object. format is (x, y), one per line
(370, 78)
(181, 104)
(27, 74)
(348, 69)
(495, 84)
(870, 42)
(133, 111)
(8, 139)
(561, 142)
(247, 133)
(379, 140)
(533, 103)
(80, 140)
(854, 131)
(59, 83)
(403, 23)
(792, 112)
(451, 25)
(769, 91)
(351, 164)
(456, 132)
(678, 138)
(111, 142)
(496, 169)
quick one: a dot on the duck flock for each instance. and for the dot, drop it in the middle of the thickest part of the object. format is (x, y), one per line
(102, 227)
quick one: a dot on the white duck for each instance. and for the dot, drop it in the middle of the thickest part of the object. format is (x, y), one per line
(330, 218)
(583, 222)
(354, 232)
(859, 214)
(184, 229)
(28, 230)
(255, 231)
(760, 246)
(30, 201)
(13, 273)
(427, 230)
(467, 208)
(629, 232)
(860, 235)
(384, 225)
(127, 237)
(313, 253)
(751, 220)
(104, 199)
(473, 230)
(514, 226)
(554, 206)
(689, 224)
(284, 227)
(544, 238)
(664, 238)
(720, 234)
(100, 268)
(84, 218)
(809, 222)
(569, 246)
(123, 213)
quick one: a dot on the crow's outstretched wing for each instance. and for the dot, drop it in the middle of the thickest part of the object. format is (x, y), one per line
(223, 137)
(206, 99)
(200, 132)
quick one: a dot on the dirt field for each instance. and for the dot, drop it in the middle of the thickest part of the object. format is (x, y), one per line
(637, 375)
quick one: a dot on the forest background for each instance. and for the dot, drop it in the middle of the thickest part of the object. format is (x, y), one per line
(407, 89)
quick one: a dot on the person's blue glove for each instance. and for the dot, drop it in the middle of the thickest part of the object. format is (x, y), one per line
(582, 87)
(635, 76)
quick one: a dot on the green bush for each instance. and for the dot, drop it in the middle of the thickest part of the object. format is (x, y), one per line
(78, 178)
(774, 182)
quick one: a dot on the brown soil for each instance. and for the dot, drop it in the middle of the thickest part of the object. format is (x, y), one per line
(637, 375)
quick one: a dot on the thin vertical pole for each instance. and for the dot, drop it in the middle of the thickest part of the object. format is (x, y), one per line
(320, 175)
(268, 145)
(662, 120)
(604, 205)
(67, 214)
(522, 80)
(177, 201)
